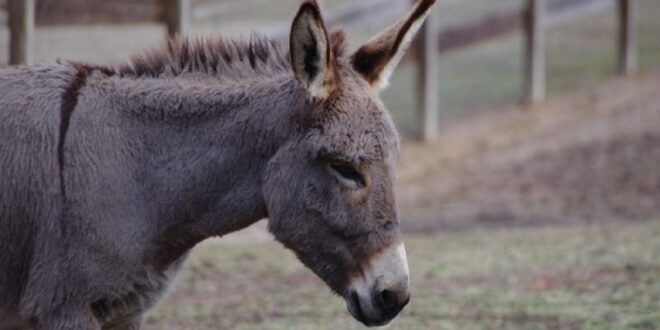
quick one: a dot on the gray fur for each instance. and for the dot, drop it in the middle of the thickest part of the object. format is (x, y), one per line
(179, 145)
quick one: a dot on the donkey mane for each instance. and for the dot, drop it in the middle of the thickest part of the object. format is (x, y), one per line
(219, 57)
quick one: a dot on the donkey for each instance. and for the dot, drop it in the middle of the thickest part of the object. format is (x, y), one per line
(111, 175)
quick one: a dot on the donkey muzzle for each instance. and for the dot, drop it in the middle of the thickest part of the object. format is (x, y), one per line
(381, 292)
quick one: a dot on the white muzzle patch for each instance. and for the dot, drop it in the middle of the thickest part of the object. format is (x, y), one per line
(386, 271)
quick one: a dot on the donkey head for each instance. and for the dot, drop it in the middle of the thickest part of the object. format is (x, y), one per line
(330, 191)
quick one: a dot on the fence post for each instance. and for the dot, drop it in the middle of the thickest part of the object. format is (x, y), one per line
(535, 66)
(21, 31)
(627, 36)
(177, 17)
(426, 53)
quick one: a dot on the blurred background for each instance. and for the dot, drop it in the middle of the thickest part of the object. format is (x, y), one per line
(529, 182)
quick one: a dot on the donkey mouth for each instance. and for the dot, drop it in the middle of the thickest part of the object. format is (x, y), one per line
(353, 304)
(357, 311)
(377, 297)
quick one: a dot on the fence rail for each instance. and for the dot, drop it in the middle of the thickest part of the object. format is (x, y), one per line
(533, 19)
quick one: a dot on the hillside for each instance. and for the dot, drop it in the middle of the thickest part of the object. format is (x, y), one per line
(587, 157)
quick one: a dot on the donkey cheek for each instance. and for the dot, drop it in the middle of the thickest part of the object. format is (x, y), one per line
(317, 199)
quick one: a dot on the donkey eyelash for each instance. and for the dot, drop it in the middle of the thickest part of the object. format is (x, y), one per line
(348, 172)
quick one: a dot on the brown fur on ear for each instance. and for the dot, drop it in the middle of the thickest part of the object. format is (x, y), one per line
(311, 53)
(338, 42)
(376, 59)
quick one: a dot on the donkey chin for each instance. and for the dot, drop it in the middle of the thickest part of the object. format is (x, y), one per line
(382, 289)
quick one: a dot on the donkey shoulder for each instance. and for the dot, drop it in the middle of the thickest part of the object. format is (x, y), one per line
(30, 203)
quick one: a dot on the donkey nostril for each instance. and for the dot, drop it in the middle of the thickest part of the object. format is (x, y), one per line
(388, 300)
(389, 225)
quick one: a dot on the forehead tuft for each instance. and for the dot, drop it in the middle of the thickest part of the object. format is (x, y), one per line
(356, 120)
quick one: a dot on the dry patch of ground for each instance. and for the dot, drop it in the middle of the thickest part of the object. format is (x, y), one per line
(585, 158)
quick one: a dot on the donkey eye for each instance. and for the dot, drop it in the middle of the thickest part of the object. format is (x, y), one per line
(348, 172)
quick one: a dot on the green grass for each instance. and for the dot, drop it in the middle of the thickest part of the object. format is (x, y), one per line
(599, 277)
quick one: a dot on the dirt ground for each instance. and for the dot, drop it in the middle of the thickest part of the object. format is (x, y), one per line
(588, 157)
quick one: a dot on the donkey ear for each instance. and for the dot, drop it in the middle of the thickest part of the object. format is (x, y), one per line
(310, 52)
(377, 59)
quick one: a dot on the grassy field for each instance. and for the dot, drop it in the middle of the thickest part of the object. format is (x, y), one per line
(597, 277)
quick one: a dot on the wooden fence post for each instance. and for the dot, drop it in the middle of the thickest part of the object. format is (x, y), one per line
(21, 31)
(426, 51)
(535, 66)
(177, 17)
(627, 37)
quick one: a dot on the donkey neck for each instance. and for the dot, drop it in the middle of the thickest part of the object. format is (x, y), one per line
(207, 146)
